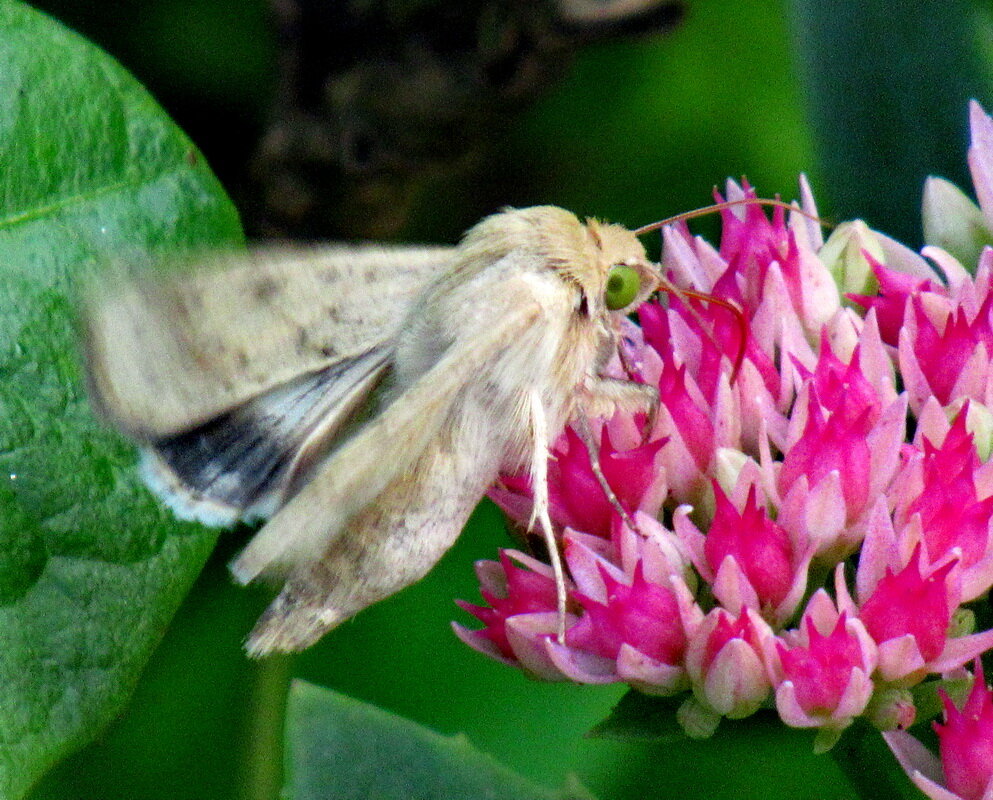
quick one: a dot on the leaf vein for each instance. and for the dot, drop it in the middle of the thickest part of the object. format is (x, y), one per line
(82, 198)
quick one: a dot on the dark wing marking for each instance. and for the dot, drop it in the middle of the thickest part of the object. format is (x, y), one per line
(241, 464)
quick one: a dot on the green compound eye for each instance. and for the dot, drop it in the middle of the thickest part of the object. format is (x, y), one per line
(623, 284)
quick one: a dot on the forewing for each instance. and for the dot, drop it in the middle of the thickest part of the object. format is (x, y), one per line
(380, 464)
(388, 545)
(168, 352)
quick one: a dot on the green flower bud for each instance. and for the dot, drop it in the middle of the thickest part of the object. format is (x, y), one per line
(843, 254)
(953, 222)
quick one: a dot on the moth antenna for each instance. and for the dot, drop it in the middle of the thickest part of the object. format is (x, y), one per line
(665, 285)
(714, 207)
(682, 294)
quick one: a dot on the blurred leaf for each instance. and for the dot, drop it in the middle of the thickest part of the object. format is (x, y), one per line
(639, 717)
(91, 570)
(869, 766)
(886, 87)
(338, 747)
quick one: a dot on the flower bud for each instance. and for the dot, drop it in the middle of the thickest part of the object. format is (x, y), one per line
(892, 709)
(696, 720)
(953, 222)
(844, 256)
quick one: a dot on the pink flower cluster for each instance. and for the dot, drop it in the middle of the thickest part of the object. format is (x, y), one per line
(806, 529)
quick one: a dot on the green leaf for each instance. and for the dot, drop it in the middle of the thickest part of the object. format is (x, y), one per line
(338, 747)
(887, 86)
(640, 717)
(91, 570)
(862, 755)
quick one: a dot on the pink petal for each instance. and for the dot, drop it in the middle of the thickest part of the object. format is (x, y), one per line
(581, 666)
(981, 158)
(648, 675)
(529, 636)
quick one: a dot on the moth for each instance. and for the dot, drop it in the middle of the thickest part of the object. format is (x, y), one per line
(362, 399)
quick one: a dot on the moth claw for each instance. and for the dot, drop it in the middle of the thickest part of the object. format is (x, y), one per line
(651, 417)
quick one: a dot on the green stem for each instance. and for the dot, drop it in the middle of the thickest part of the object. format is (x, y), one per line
(262, 757)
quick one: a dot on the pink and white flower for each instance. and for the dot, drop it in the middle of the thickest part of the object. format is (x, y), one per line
(847, 408)
(748, 559)
(725, 661)
(822, 670)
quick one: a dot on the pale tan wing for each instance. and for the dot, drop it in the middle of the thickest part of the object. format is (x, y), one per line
(380, 512)
(168, 352)
(355, 475)
(388, 545)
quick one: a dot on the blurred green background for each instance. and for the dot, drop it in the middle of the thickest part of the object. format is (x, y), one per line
(865, 98)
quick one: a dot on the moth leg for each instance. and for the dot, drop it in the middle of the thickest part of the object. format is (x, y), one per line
(539, 481)
(629, 368)
(582, 426)
(603, 396)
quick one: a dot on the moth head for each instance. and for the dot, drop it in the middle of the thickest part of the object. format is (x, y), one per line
(624, 276)
(606, 263)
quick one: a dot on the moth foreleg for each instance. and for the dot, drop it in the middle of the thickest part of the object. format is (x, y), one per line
(540, 511)
(601, 397)
(582, 426)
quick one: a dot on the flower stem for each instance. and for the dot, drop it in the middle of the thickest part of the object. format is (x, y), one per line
(262, 755)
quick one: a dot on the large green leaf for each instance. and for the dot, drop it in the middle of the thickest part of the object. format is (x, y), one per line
(339, 748)
(91, 570)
